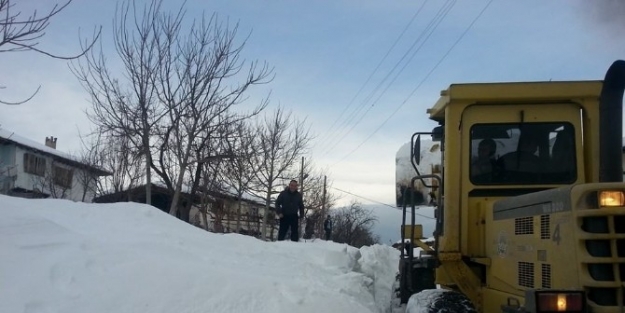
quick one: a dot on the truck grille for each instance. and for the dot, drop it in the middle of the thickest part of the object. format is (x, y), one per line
(545, 231)
(546, 275)
(603, 237)
(524, 226)
(526, 274)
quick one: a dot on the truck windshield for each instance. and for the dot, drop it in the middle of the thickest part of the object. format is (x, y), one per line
(525, 153)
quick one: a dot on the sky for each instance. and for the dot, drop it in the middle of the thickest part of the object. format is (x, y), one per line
(343, 66)
(388, 221)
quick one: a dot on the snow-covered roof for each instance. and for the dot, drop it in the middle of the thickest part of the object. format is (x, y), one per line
(245, 196)
(10, 136)
(212, 195)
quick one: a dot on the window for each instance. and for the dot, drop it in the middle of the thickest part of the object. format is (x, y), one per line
(526, 153)
(62, 176)
(35, 165)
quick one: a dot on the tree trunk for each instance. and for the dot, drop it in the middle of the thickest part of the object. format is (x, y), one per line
(84, 190)
(257, 221)
(148, 170)
(266, 215)
(205, 218)
(249, 225)
(185, 212)
(239, 214)
(174, 202)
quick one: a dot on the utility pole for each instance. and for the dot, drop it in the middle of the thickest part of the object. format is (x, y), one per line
(323, 198)
(301, 182)
(301, 178)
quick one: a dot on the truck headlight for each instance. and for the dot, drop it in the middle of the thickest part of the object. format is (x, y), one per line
(609, 198)
(549, 301)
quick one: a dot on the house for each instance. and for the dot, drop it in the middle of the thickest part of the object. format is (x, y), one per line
(161, 197)
(33, 170)
(224, 215)
(216, 211)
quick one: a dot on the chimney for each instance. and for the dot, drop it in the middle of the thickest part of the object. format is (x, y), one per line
(51, 142)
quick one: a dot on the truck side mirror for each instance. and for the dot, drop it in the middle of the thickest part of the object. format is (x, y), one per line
(416, 150)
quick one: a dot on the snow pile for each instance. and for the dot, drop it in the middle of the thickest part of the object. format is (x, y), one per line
(381, 266)
(61, 256)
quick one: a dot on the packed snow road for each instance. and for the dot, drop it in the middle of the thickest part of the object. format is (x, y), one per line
(61, 256)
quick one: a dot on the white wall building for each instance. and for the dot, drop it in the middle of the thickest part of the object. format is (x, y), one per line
(34, 170)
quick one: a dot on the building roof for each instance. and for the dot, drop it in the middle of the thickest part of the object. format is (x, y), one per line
(137, 191)
(246, 196)
(212, 195)
(9, 136)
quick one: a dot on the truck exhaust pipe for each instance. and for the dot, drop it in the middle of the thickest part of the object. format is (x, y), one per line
(611, 124)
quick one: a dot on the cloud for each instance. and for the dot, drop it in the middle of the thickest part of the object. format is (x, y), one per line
(604, 16)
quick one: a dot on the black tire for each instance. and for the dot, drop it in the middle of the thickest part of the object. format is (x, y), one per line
(423, 278)
(440, 301)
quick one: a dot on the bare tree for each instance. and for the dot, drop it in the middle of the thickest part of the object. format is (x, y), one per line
(281, 140)
(21, 31)
(207, 181)
(317, 203)
(353, 225)
(201, 82)
(240, 172)
(183, 88)
(128, 107)
(90, 157)
(205, 185)
(110, 154)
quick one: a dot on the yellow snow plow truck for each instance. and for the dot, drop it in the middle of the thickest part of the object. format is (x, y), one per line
(530, 202)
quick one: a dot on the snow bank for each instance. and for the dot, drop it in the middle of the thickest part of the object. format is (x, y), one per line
(381, 266)
(61, 256)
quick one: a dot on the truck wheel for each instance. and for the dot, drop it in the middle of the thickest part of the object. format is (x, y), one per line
(439, 301)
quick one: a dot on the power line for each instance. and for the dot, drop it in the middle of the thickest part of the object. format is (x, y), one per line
(376, 68)
(378, 202)
(429, 30)
(420, 83)
(333, 141)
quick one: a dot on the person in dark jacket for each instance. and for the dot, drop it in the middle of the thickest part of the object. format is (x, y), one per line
(327, 227)
(288, 204)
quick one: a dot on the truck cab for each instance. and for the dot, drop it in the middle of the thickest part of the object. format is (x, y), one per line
(532, 205)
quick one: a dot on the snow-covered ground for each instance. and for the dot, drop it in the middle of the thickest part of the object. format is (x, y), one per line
(61, 256)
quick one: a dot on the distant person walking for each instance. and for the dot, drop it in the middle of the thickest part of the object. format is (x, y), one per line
(288, 203)
(327, 227)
